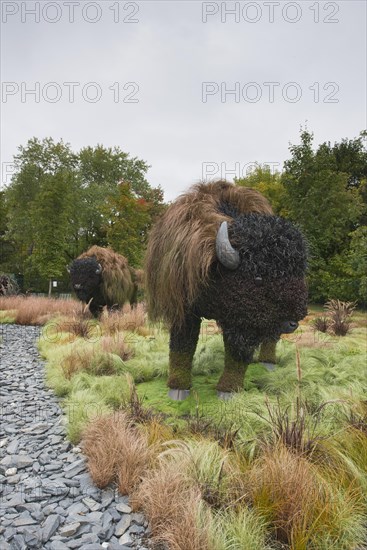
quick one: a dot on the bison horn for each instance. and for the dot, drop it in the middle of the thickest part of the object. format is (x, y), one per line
(99, 269)
(227, 255)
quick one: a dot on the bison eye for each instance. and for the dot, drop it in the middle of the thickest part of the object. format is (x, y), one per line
(258, 281)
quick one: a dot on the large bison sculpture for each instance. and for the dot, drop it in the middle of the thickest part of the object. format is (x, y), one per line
(219, 252)
(100, 277)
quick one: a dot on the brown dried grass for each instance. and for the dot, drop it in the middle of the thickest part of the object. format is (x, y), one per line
(308, 337)
(129, 318)
(32, 310)
(171, 504)
(76, 361)
(92, 360)
(77, 324)
(116, 450)
(116, 344)
(294, 496)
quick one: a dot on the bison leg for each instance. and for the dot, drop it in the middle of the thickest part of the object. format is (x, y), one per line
(267, 354)
(234, 371)
(183, 343)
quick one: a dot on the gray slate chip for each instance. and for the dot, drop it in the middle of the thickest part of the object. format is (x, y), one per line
(50, 501)
(123, 525)
(49, 527)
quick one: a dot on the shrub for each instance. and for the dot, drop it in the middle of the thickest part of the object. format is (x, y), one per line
(340, 314)
(295, 426)
(321, 324)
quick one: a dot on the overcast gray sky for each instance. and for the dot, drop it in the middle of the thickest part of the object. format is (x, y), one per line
(155, 78)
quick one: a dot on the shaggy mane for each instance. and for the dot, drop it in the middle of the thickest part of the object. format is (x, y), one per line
(181, 246)
(117, 276)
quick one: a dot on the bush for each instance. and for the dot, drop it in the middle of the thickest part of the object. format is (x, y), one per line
(340, 314)
(321, 324)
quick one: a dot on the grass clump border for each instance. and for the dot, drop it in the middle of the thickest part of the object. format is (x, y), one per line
(222, 471)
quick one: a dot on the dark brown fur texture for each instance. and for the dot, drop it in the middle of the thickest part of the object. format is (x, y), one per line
(256, 302)
(115, 285)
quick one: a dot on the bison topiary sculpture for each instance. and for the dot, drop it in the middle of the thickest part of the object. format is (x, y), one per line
(100, 277)
(219, 252)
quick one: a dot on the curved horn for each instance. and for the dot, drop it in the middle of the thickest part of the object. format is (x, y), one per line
(226, 254)
(68, 268)
(99, 269)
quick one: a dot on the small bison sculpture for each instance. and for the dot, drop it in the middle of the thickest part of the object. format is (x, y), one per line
(219, 252)
(100, 277)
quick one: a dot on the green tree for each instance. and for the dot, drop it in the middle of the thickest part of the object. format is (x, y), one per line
(357, 264)
(128, 219)
(321, 200)
(56, 206)
(101, 171)
(268, 184)
(34, 164)
(7, 249)
(351, 158)
(51, 222)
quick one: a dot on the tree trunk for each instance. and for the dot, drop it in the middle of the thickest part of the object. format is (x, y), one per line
(49, 288)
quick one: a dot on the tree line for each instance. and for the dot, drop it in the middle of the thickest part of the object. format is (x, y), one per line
(324, 191)
(60, 202)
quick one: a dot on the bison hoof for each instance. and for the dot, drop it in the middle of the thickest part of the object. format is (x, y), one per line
(269, 366)
(225, 395)
(178, 395)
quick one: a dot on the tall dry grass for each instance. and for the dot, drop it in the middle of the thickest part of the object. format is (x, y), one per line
(172, 505)
(116, 451)
(31, 310)
(129, 318)
(116, 344)
(298, 500)
(94, 361)
(193, 488)
(78, 324)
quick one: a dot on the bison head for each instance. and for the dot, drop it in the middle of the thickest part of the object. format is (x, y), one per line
(257, 287)
(86, 276)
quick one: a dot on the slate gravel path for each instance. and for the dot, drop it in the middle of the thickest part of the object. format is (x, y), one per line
(47, 498)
